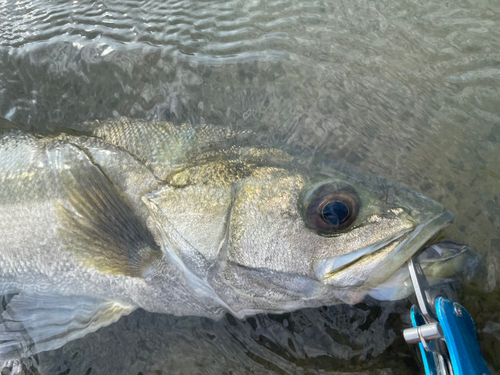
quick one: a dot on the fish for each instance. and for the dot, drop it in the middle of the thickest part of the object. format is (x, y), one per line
(102, 218)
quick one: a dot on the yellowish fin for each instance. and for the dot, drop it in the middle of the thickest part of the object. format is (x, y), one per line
(97, 226)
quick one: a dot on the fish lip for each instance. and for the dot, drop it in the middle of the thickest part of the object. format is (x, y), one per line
(414, 240)
(326, 268)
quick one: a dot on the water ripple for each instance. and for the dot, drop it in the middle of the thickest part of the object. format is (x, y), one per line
(407, 89)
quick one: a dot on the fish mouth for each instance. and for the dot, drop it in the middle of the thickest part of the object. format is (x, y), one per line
(385, 257)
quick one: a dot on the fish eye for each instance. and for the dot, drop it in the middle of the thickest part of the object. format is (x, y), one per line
(331, 209)
(335, 212)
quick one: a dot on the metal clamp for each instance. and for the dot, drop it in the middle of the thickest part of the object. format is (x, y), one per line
(428, 332)
(423, 333)
(422, 290)
(445, 331)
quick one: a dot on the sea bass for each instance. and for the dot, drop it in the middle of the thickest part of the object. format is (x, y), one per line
(108, 217)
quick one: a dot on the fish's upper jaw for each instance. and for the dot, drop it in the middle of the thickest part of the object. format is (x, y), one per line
(327, 268)
(369, 267)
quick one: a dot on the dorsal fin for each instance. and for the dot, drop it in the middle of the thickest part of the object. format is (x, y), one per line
(161, 146)
(97, 226)
(8, 125)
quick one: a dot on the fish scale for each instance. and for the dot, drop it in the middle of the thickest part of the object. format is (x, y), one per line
(186, 220)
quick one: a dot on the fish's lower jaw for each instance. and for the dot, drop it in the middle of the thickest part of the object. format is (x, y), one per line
(351, 296)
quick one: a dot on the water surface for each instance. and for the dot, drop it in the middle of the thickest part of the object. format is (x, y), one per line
(409, 90)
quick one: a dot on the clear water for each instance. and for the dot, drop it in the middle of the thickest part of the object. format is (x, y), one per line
(408, 89)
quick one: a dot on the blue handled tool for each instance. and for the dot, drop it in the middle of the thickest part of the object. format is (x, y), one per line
(444, 330)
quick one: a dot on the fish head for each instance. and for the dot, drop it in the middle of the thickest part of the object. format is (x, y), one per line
(392, 224)
(267, 234)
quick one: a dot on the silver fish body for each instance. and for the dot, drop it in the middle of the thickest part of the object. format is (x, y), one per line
(109, 217)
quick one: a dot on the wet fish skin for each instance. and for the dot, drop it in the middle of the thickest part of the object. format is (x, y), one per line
(37, 253)
(187, 220)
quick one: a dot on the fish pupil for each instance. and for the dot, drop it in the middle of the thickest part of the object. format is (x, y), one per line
(335, 212)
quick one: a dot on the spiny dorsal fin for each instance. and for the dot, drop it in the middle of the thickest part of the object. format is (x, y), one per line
(161, 146)
(97, 225)
(35, 322)
(8, 125)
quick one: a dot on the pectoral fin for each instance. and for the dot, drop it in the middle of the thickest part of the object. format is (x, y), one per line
(97, 225)
(37, 322)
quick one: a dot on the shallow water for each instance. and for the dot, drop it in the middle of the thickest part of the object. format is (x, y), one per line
(409, 90)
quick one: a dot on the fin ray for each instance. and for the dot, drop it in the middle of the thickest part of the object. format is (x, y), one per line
(35, 322)
(97, 224)
(7, 125)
